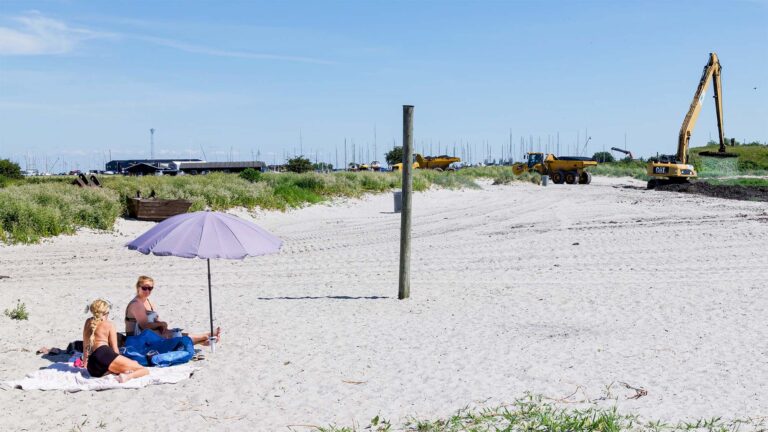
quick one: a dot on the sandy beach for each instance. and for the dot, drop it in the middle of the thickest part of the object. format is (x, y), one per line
(560, 291)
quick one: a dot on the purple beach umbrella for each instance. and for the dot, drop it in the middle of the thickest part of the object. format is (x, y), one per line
(206, 235)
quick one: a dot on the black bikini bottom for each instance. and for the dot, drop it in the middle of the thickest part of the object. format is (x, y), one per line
(99, 361)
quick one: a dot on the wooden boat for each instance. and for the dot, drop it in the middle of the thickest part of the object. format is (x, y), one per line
(153, 209)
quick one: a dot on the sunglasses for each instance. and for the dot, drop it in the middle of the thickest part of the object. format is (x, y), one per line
(147, 288)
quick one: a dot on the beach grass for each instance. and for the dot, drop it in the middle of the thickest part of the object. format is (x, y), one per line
(19, 312)
(622, 168)
(29, 212)
(40, 207)
(533, 413)
(744, 181)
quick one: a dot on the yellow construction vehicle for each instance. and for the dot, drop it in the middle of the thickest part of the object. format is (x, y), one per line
(438, 163)
(665, 169)
(398, 166)
(564, 169)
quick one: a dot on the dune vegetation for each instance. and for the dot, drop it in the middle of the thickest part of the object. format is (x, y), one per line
(29, 212)
(39, 207)
(621, 168)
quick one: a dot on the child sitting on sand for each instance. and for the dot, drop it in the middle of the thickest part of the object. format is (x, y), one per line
(100, 352)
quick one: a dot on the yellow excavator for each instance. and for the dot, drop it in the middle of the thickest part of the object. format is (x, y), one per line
(665, 169)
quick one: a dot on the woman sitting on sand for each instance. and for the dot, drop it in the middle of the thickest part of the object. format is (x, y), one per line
(100, 354)
(141, 315)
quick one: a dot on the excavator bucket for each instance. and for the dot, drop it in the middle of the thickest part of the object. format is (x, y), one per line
(720, 153)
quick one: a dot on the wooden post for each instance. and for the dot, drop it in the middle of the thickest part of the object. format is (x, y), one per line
(404, 290)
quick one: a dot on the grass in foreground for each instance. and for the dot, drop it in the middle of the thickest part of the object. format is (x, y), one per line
(39, 207)
(533, 414)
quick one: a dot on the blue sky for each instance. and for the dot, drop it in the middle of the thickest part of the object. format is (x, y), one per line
(80, 81)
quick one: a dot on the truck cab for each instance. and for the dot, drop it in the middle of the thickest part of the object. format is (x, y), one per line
(534, 158)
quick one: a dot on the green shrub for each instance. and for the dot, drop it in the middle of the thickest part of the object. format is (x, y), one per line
(603, 157)
(299, 164)
(10, 169)
(251, 175)
(17, 313)
(395, 155)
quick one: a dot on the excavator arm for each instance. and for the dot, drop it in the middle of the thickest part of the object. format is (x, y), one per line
(665, 169)
(626, 152)
(711, 71)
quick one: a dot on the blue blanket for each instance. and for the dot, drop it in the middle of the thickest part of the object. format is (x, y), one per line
(171, 351)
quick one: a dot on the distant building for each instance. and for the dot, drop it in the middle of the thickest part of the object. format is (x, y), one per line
(118, 166)
(141, 169)
(230, 167)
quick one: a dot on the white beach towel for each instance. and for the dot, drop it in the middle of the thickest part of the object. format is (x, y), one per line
(64, 376)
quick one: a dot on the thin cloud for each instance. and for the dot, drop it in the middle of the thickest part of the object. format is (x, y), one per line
(197, 49)
(35, 34)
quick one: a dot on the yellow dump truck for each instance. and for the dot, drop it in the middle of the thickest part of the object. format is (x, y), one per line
(439, 163)
(563, 169)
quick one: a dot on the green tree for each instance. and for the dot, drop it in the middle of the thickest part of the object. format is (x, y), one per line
(603, 157)
(299, 164)
(251, 175)
(395, 155)
(322, 166)
(9, 169)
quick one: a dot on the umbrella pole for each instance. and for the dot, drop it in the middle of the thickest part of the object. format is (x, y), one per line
(210, 298)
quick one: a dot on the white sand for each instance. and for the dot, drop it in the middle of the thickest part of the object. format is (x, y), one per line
(663, 291)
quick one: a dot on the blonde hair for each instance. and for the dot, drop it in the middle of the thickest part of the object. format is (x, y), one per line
(141, 281)
(99, 308)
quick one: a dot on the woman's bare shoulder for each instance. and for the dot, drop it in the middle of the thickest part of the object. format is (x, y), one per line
(133, 304)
